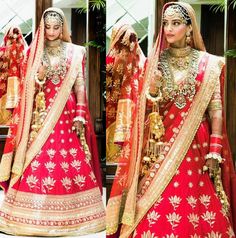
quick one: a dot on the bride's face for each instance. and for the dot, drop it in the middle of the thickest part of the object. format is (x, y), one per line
(52, 30)
(175, 31)
(175, 28)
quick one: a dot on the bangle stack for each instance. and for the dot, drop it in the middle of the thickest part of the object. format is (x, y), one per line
(215, 148)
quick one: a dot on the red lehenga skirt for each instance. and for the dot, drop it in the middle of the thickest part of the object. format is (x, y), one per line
(189, 206)
(58, 193)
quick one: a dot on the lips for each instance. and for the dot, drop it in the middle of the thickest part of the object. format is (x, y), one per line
(169, 35)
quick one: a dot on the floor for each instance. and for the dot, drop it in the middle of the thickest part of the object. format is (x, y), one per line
(97, 235)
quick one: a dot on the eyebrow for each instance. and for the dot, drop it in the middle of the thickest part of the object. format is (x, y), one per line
(175, 19)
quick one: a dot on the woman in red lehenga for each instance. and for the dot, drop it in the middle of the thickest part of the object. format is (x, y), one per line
(11, 60)
(173, 185)
(124, 63)
(50, 176)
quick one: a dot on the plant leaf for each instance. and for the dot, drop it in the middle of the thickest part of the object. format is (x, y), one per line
(231, 53)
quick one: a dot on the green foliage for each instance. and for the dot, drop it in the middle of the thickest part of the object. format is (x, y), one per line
(95, 45)
(97, 4)
(221, 6)
(231, 53)
(94, 5)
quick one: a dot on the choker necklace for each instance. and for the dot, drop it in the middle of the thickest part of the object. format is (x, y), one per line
(179, 58)
(53, 48)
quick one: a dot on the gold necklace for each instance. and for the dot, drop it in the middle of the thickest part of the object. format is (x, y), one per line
(179, 58)
(53, 48)
(187, 88)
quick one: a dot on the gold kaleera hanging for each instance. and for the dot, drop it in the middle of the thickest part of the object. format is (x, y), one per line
(156, 129)
(39, 113)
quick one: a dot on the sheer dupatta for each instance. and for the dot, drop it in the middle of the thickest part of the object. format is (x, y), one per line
(125, 61)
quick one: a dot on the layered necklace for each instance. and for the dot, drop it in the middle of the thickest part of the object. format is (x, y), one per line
(179, 67)
(55, 58)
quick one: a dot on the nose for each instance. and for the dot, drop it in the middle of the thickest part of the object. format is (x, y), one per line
(169, 27)
(51, 31)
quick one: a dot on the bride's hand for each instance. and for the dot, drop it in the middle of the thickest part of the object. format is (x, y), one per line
(77, 127)
(41, 72)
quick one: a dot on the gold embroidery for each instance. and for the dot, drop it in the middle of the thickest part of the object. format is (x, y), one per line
(213, 235)
(52, 214)
(194, 219)
(175, 201)
(192, 201)
(152, 218)
(148, 234)
(173, 219)
(209, 217)
(205, 200)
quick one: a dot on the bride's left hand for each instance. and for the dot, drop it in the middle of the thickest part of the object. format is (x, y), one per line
(77, 126)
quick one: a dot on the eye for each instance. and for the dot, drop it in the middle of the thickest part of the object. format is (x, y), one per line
(56, 27)
(176, 23)
(47, 27)
(165, 23)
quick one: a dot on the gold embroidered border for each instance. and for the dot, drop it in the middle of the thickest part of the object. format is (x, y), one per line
(112, 150)
(113, 214)
(177, 153)
(87, 218)
(12, 92)
(5, 166)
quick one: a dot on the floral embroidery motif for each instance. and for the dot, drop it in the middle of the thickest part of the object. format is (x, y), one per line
(66, 182)
(63, 153)
(194, 219)
(76, 164)
(213, 235)
(148, 234)
(205, 200)
(209, 217)
(51, 153)
(123, 179)
(173, 219)
(152, 218)
(50, 166)
(157, 203)
(126, 151)
(34, 165)
(65, 166)
(172, 236)
(49, 183)
(92, 176)
(31, 181)
(195, 236)
(73, 152)
(230, 232)
(175, 201)
(79, 180)
(192, 201)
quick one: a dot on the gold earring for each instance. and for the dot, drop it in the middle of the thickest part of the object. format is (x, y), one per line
(60, 35)
(188, 38)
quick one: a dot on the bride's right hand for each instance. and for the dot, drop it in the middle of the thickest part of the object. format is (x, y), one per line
(41, 72)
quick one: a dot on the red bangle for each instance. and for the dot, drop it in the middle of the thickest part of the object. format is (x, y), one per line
(215, 149)
(216, 139)
(81, 111)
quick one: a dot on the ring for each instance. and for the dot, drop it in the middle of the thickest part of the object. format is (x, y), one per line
(204, 168)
